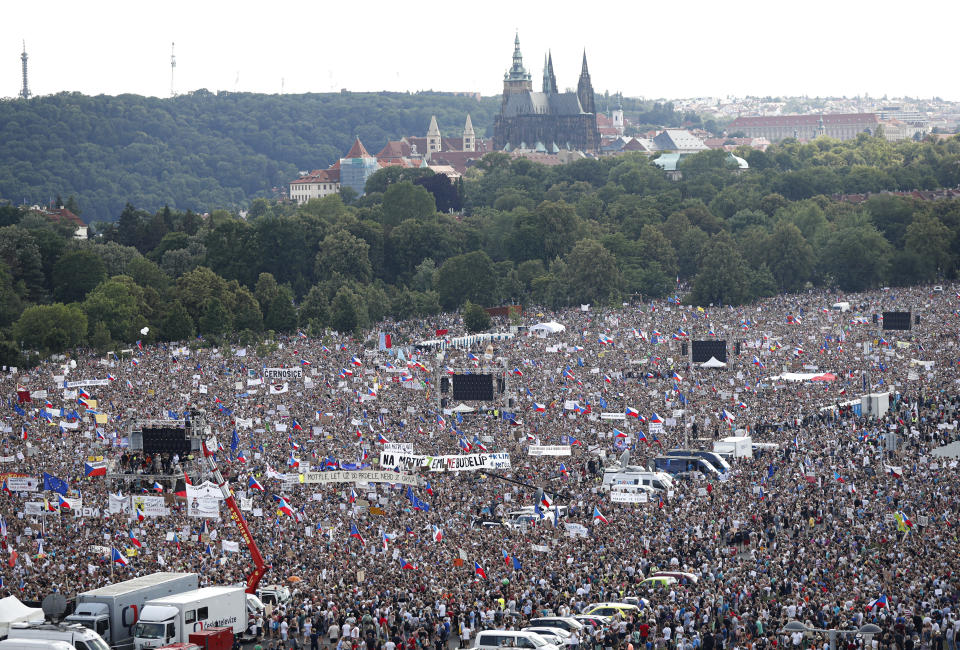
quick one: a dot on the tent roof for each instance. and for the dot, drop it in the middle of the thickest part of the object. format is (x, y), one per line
(550, 326)
(12, 610)
(713, 362)
(463, 408)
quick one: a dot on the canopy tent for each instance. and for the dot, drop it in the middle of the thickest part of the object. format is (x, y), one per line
(713, 362)
(13, 611)
(805, 376)
(463, 408)
(550, 327)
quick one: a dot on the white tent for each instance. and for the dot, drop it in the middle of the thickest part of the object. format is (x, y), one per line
(13, 611)
(550, 327)
(463, 408)
(713, 362)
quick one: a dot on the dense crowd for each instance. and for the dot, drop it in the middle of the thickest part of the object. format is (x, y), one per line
(816, 529)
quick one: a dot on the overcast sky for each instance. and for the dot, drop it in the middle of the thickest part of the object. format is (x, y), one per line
(644, 49)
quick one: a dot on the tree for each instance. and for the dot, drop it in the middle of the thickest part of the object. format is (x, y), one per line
(341, 252)
(281, 315)
(216, 318)
(247, 314)
(592, 272)
(475, 318)
(19, 251)
(856, 255)
(466, 277)
(790, 257)
(198, 286)
(404, 201)
(76, 274)
(929, 241)
(51, 328)
(10, 304)
(176, 324)
(347, 311)
(120, 304)
(724, 275)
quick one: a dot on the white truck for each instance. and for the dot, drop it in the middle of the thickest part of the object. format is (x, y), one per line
(174, 618)
(78, 636)
(735, 447)
(112, 611)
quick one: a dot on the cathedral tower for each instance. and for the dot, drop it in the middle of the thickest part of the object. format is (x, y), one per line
(469, 137)
(433, 138)
(517, 79)
(585, 89)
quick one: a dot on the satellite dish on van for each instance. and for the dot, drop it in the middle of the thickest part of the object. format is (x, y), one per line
(625, 459)
(54, 606)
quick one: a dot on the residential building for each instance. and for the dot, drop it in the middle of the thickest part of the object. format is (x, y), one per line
(315, 185)
(64, 216)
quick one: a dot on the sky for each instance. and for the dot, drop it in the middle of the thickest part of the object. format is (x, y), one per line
(695, 48)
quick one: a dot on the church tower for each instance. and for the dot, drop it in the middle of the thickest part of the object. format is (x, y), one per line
(617, 115)
(549, 81)
(516, 79)
(433, 138)
(469, 137)
(585, 89)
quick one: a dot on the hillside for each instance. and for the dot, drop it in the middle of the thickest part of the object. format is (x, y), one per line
(202, 150)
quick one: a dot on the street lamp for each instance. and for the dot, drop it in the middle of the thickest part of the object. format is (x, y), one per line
(867, 631)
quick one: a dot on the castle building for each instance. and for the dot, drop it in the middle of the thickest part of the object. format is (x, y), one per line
(842, 126)
(549, 120)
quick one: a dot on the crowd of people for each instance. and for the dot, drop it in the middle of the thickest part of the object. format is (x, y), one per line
(846, 519)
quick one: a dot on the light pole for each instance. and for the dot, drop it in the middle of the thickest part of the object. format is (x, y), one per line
(867, 631)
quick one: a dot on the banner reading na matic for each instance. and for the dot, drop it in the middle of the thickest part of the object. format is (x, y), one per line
(458, 463)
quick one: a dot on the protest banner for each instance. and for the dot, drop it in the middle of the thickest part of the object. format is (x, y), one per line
(359, 476)
(617, 496)
(548, 450)
(203, 500)
(399, 447)
(86, 382)
(283, 373)
(150, 506)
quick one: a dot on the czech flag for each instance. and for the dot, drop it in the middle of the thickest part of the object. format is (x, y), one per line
(879, 602)
(477, 569)
(117, 557)
(574, 442)
(546, 501)
(563, 469)
(742, 405)
(356, 533)
(619, 434)
(353, 495)
(598, 516)
(632, 413)
(254, 484)
(95, 469)
(539, 408)
(381, 439)
(656, 419)
(478, 444)
(408, 565)
(141, 515)
(134, 540)
(726, 415)
(607, 379)
(285, 507)
(677, 377)
(517, 372)
(473, 357)
(429, 489)
(837, 477)
(355, 361)
(157, 487)
(437, 534)
(63, 503)
(642, 436)
(304, 362)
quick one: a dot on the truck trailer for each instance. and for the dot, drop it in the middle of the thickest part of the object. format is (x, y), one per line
(113, 611)
(174, 618)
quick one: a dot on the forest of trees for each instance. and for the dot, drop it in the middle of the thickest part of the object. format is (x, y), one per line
(201, 150)
(593, 231)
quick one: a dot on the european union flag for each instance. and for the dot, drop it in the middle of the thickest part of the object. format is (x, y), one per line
(54, 484)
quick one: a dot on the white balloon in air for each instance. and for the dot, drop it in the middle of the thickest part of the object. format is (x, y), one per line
(145, 330)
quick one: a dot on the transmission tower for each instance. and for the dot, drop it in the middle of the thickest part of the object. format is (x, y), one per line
(173, 68)
(25, 91)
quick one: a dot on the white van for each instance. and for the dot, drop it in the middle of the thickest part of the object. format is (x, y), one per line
(497, 639)
(841, 306)
(34, 644)
(636, 475)
(74, 634)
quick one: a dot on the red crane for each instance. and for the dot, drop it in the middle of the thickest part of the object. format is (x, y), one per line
(260, 568)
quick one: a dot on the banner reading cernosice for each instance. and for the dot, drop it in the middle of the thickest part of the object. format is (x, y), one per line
(358, 476)
(458, 463)
(283, 373)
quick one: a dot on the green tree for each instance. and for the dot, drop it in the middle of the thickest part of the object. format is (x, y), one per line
(790, 257)
(475, 318)
(176, 324)
(216, 319)
(121, 305)
(10, 304)
(466, 277)
(929, 241)
(340, 252)
(247, 314)
(76, 274)
(592, 272)
(51, 328)
(856, 255)
(724, 276)
(281, 315)
(19, 251)
(348, 312)
(404, 200)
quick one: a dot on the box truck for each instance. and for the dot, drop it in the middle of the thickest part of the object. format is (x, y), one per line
(174, 618)
(112, 611)
(735, 447)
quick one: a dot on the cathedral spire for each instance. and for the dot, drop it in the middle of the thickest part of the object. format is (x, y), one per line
(585, 88)
(549, 80)
(517, 71)
(583, 68)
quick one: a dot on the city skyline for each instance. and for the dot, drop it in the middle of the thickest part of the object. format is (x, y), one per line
(709, 51)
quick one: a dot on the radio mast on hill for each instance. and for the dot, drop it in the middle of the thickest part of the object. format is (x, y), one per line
(173, 67)
(25, 91)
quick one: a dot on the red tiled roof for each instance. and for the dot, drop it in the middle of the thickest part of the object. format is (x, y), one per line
(832, 119)
(357, 151)
(319, 176)
(62, 214)
(395, 149)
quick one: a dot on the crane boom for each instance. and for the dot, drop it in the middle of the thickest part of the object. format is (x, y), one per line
(259, 567)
